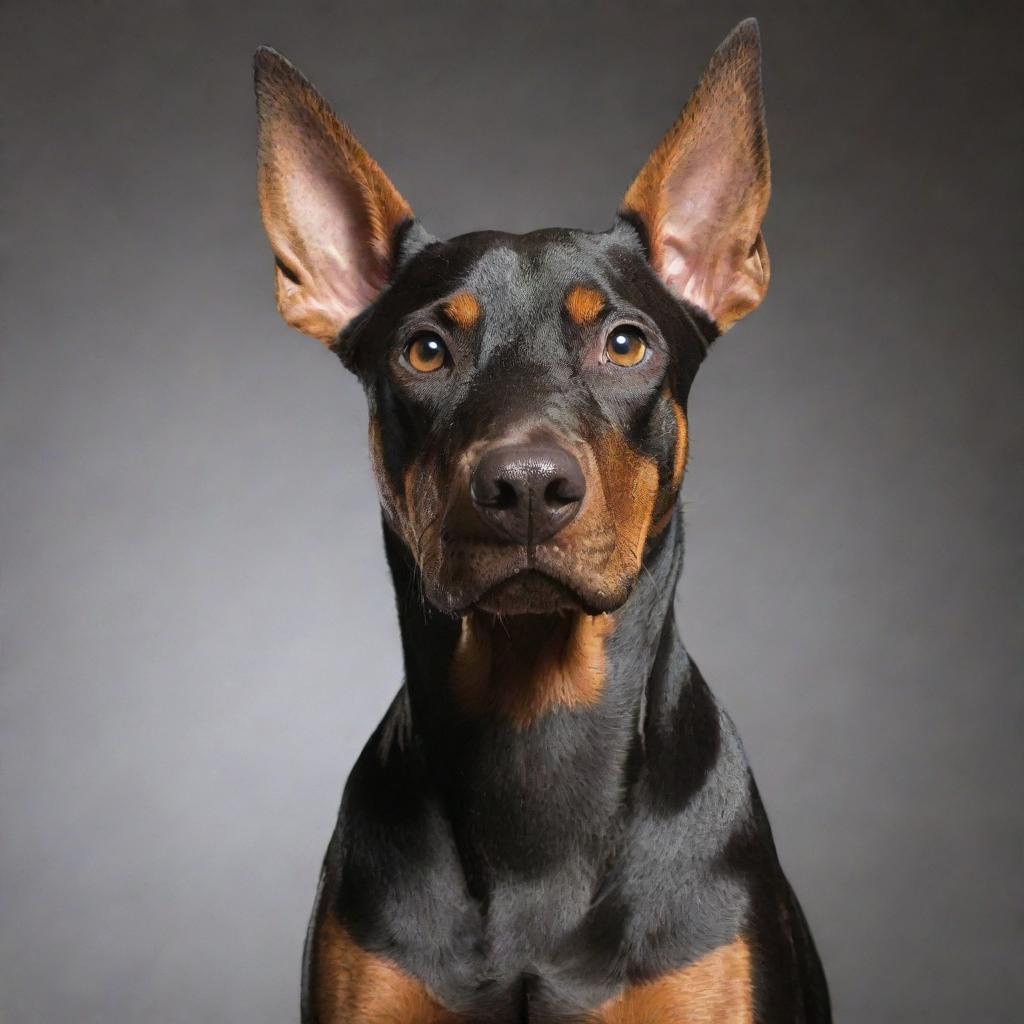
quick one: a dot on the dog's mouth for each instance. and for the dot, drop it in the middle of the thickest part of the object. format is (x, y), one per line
(513, 581)
(588, 565)
(530, 591)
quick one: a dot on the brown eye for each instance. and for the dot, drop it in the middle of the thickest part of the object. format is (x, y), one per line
(426, 353)
(626, 346)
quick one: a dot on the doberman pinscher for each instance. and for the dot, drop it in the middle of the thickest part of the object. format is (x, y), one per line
(555, 820)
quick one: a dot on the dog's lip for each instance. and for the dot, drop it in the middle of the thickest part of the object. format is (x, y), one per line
(459, 593)
(531, 571)
(573, 594)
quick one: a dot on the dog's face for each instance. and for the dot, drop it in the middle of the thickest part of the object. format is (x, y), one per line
(527, 392)
(527, 425)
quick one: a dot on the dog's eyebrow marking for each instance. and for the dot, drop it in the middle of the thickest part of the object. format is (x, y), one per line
(463, 310)
(584, 304)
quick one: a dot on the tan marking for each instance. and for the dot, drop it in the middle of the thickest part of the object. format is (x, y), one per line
(583, 304)
(523, 667)
(422, 515)
(715, 990)
(667, 506)
(410, 509)
(682, 441)
(630, 484)
(463, 310)
(387, 496)
(352, 986)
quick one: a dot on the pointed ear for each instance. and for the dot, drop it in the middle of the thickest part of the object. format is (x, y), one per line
(704, 191)
(330, 212)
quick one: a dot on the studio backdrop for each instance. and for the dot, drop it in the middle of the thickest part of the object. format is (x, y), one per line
(197, 628)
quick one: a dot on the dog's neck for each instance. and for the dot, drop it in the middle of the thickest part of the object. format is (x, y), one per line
(530, 729)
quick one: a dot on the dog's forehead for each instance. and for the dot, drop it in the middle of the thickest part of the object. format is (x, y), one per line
(528, 272)
(519, 284)
(520, 280)
(524, 299)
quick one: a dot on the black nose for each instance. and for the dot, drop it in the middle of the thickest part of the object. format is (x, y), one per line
(527, 493)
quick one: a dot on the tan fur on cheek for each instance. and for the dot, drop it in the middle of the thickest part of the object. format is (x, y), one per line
(682, 445)
(422, 517)
(667, 505)
(716, 989)
(630, 484)
(356, 987)
(498, 669)
(388, 499)
(410, 513)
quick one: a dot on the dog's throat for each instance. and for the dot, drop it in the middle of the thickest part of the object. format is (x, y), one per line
(522, 729)
(522, 667)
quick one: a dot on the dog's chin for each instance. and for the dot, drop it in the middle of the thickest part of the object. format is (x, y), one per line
(529, 593)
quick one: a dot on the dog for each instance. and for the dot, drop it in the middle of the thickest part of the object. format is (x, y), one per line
(555, 820)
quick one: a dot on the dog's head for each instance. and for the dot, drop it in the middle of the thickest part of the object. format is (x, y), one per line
(527, 392)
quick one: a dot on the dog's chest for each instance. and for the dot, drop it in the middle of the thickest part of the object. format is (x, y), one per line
(553, 947)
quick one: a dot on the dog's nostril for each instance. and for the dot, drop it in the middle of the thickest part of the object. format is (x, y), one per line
(560, 492)
(504, 495)
(493, 492)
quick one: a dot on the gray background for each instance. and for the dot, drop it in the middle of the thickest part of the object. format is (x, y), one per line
(197, 627)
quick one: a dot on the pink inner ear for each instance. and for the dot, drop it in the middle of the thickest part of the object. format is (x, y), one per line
(328, 209)
(714, 198)
(704, 191)
(329, 236)
(705, 235)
